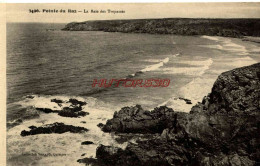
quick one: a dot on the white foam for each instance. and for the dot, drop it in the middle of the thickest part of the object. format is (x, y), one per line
(216, 46)
(177, 104)
(193, 71)
(45, 102)
(155, 66)
(66, 143)
(197, 88)
(211, 38)
(161, 60)
(226, 44)
(194, 90)
(207, 62)
(240, 62)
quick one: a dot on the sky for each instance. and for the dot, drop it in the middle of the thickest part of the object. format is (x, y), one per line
(20, 12)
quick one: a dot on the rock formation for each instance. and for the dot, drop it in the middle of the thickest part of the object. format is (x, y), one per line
(222, 130)
(53, 128)
(73, 110)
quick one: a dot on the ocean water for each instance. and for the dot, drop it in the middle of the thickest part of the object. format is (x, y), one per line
(61, 64)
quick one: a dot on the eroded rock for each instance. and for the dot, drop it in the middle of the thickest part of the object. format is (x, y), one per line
(53, 128)
(136, 120)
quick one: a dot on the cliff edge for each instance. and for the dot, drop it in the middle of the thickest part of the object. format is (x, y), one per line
(221, 130)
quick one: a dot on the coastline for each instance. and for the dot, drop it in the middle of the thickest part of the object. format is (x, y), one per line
(133, 131)
(251, 39)
(222, 129)
(179, 26)
(95, 117)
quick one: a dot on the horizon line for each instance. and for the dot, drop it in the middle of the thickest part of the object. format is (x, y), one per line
(142, 19)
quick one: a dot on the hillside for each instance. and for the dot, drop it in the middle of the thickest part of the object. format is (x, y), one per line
(178, 26)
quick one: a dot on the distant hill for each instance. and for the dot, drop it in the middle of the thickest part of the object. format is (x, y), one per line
(178, 26)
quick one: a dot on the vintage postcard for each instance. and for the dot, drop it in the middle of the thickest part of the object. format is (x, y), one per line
(131, 84)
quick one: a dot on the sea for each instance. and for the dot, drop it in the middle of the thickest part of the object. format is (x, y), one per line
(45, 62)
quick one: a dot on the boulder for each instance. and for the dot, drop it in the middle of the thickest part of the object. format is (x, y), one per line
(136, 120)
(77, 102)
(53, 128)
(72, 112)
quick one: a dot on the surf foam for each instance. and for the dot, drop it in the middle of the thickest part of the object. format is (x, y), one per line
(193, 71)
(68, 144)
(226, 44)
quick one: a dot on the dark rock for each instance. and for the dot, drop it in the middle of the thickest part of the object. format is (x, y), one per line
(87, 143)
(83, 122)
(75, 109)
(83, 154)
(54, 128)
(236, 91)
(111, 156)
(100, 125)
(222, 130)
(72, 112)
(136, 120)
(32, 127)
(56, 101)
(188, 101)
(91, 161)
(77, 102)
(47, 110)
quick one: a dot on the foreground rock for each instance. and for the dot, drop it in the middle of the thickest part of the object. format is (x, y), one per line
(222, 130)
(53, 128)
(136, 120)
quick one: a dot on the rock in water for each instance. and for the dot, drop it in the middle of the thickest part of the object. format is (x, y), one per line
(56, 101)
(72, 112)
(77, 102)
(87, 143)
(53, 128)
(222, 130)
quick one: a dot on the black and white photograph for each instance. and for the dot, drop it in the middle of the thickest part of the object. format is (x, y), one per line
(132, 84)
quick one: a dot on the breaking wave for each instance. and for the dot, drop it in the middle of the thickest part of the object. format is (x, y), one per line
(202, 66)
(151, 67)
(226, 44)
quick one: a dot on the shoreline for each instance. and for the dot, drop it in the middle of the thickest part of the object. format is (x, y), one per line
(179, 26)
(251, 39)
(218, 130)
(131, 128)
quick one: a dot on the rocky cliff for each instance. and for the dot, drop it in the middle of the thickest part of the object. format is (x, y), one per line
(179, 26)
(221, 130)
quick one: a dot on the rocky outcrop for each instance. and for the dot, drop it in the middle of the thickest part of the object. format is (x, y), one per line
(73, 108)
(222, 130)
(179, 26)
(72, 112)
(53, 128)
(136, 120)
